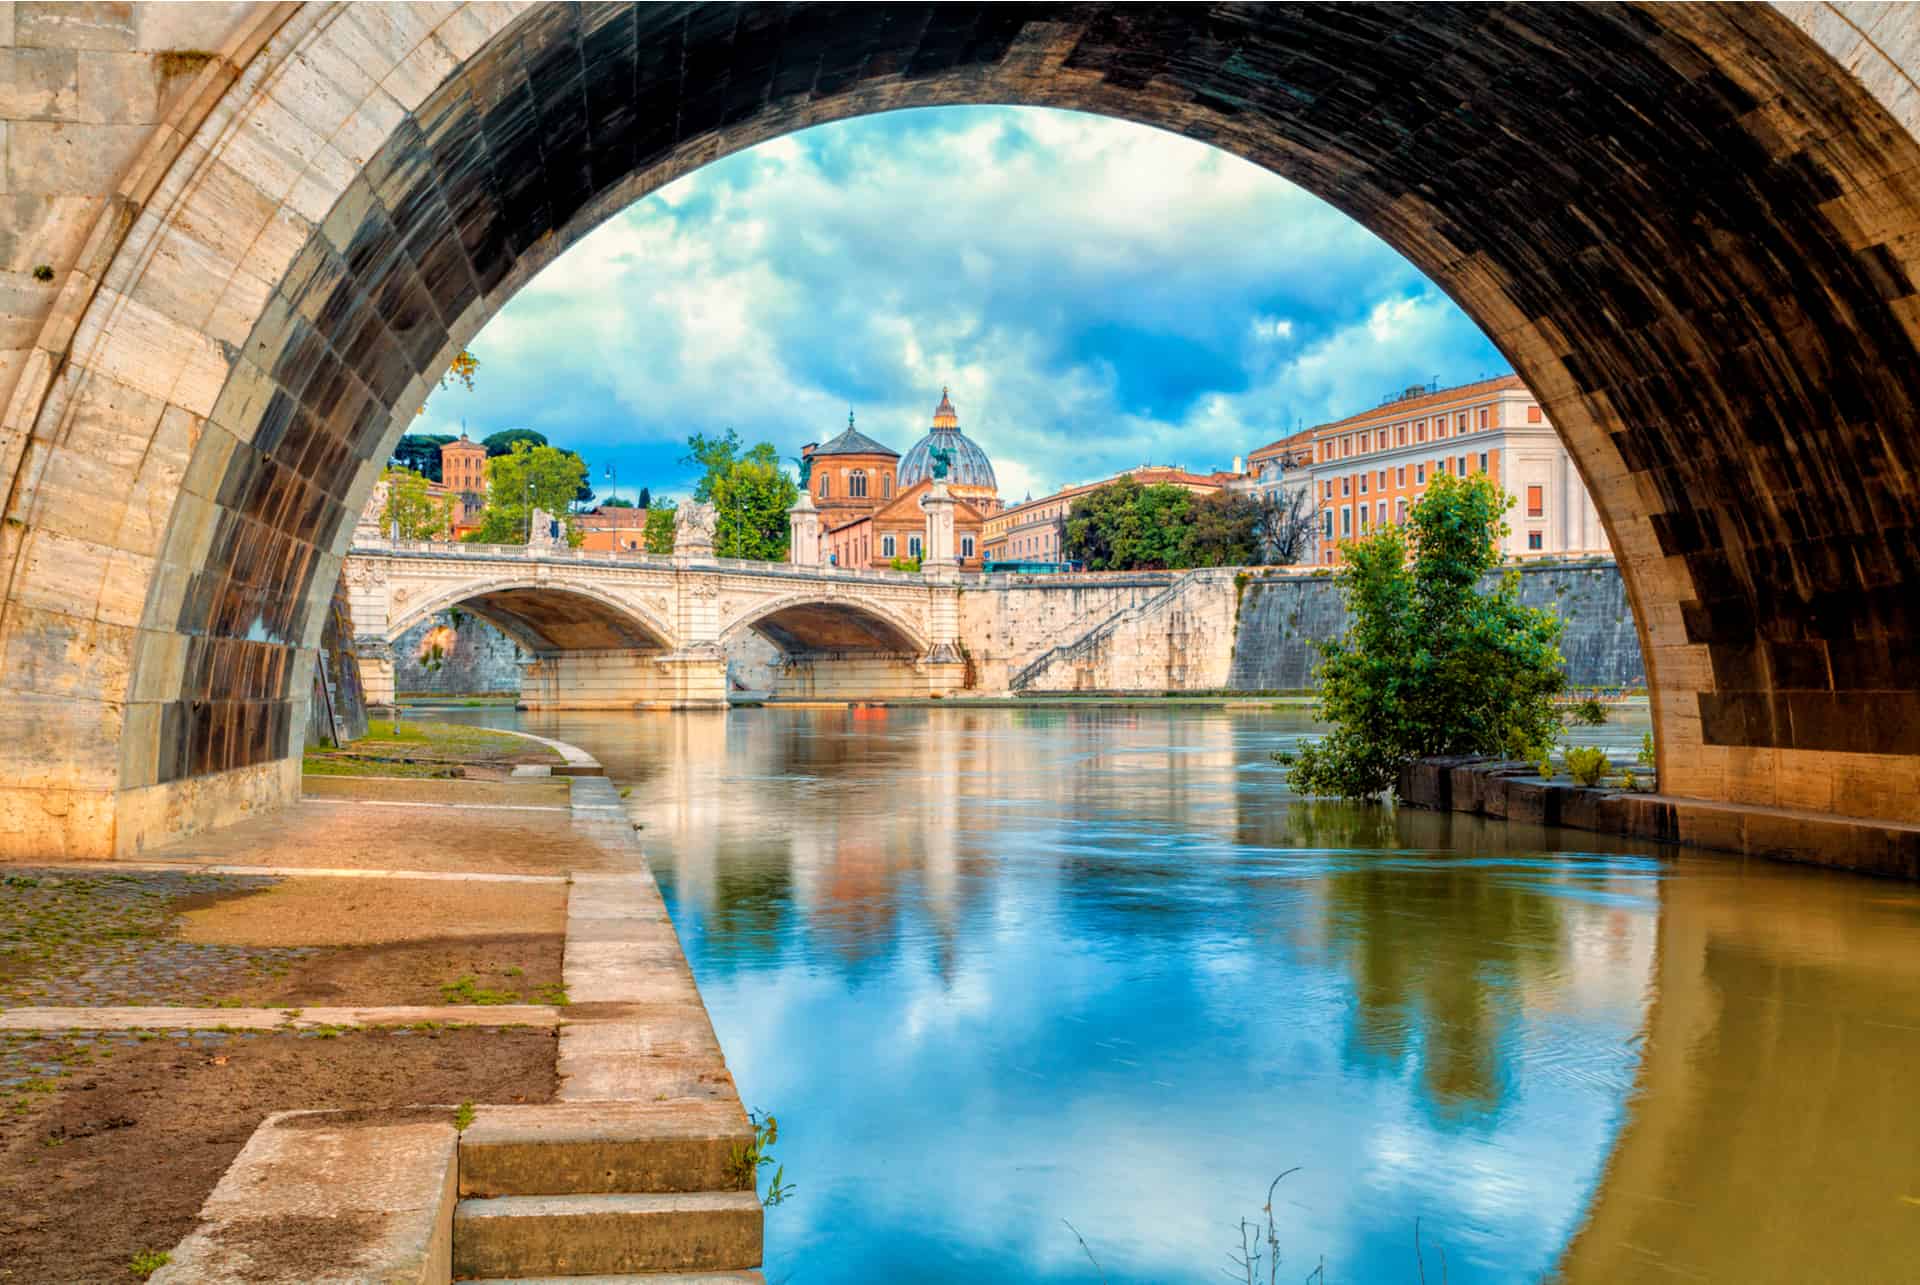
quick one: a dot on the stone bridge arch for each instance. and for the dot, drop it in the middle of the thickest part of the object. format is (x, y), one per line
(814, 622)
(545, 614)
(1691, 228)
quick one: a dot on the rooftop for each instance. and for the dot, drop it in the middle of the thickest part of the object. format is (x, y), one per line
(854, 442)
(1414, 404)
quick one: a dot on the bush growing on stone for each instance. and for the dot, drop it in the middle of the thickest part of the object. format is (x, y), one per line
(1586, 764)
(1431, 664)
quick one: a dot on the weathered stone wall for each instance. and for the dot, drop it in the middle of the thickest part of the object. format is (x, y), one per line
(1010, 621)
(483, 661)
(1284, 618)
(337, 708)
(1179, 639)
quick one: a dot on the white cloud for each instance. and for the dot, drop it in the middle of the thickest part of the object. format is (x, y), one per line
(1097, 294)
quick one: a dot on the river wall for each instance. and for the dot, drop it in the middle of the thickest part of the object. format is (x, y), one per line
(1282, 619)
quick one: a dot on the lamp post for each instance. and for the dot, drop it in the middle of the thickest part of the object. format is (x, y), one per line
(529, 506)
(613, 490)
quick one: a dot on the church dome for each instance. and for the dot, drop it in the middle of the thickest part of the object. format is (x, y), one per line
(971, 469)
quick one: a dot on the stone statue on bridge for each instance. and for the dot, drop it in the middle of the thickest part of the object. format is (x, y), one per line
(544, 531)
(693, 527)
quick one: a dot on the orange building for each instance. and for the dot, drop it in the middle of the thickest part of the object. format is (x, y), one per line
(1369, 468)
(613, 529)
(463, 475)
(869, 497)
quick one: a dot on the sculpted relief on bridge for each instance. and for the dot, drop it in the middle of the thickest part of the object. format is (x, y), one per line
(1689, 227)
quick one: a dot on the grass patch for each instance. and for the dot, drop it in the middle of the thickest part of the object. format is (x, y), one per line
(467, 990)
(148, 1261)
(423, 748)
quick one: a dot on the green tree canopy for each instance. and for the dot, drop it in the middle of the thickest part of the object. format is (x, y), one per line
(750, 492)
(420, 453)
(1125, 526)
(659, 536)
(615, 502)
(1432, 663)
(646, 498)
(551, 477)
(409, 510)
(501, 443)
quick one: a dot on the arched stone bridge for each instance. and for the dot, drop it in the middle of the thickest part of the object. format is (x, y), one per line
(258, 233)
(623, 631)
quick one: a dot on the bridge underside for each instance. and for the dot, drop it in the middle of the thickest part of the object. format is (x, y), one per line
(550, 620)
(1691, 228)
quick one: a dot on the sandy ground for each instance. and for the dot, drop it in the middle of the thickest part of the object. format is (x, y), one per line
(535, 792)
(375, 836)
(362, 912)
(393, 941)
(118, 1158)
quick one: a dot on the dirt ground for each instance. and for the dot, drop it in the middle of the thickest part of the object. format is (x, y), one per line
(393, 941)
(366, 836)
(118, 1159)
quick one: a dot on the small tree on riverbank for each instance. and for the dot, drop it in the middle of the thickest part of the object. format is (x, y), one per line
(1432, 663)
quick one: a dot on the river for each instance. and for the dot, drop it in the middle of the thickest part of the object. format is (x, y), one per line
(999, 971)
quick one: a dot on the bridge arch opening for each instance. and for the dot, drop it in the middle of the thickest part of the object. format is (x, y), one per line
(546, 618)
(806, 626)
(1690, 229)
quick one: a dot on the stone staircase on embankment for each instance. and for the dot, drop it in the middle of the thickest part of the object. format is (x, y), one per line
(1068, 666)
(607, 1191)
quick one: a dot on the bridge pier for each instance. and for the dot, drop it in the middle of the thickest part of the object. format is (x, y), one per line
(867, 676)
(375, 655)
(695, 678)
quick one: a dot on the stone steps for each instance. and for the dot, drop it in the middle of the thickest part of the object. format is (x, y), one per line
(600, 1148)
(637, 1278)
(614, 1234)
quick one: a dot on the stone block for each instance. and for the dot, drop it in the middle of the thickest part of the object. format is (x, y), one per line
(205, 24)
(63, 655)
(383, 1192)
(58, 744)
(607, 1234)
(73, 24)
(54, 822)
(118, 88)
(600, 1147)
(40, 84)
(61, 158)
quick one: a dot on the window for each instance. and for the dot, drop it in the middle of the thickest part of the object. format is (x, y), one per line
(1486, 417)
(1380, 439)
(1440, 465)
(1483, 461)
(1346, 486)
(1363, 519)
(1463, 466)
(966, 546)
(1419, 475)
(886, 485)
(886, 546)
(1400, 435)
(1534, 540)
(1346, 521)
(857, 483)
(1401, 479)
(826, 485)
(1363, 484)
(1536, 501)
(1380, 479)
(1460, 425)
(1327, 526)
(1533, 414)
(1329, 488)
(1420, 431)
(1400, 513)
(1382, 513)
(913, 546)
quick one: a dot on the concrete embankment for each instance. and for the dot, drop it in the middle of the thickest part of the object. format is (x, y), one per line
(1514, 791)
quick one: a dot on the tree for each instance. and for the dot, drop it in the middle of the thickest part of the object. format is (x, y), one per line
(1287, 518)
(409, 509)
(1223, 531)
(501, 443)
(1125, 526)
(750, 493)
(659, 534)
(551, 477)
(1432, 663)
(462, 370)
(646, 499)
(615, 502)
(420, 453)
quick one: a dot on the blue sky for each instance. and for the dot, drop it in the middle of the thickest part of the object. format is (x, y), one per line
(1096, 294)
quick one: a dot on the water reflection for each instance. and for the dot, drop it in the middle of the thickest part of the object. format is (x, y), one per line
(996, 968)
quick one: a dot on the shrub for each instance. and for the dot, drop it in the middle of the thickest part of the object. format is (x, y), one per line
(1586, 764)
(1431, 663)
(1645, 756)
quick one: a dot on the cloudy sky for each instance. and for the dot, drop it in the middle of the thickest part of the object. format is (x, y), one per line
(1097, 295)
